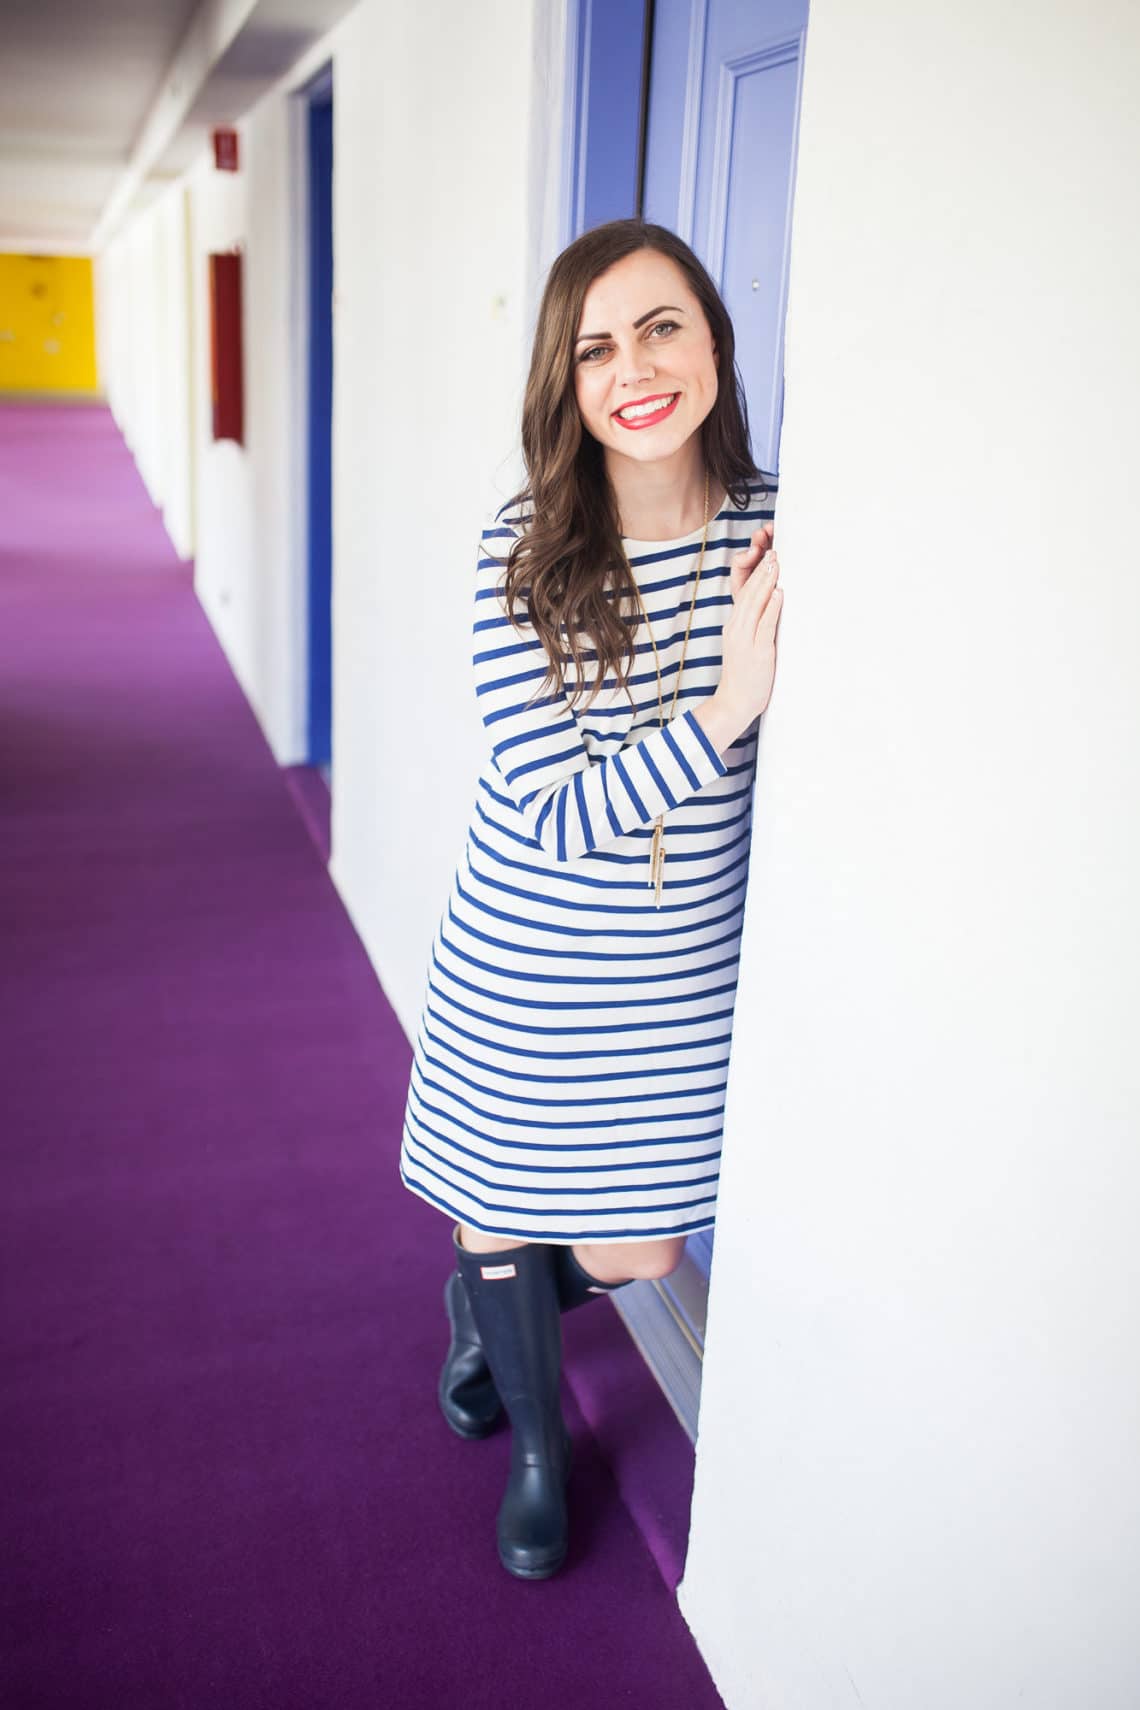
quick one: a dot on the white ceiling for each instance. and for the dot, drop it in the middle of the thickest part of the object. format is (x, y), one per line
(102, 101)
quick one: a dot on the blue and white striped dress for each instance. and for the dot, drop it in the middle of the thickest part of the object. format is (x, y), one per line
(569, 1071)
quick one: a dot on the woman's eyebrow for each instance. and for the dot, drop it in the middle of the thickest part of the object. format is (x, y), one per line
(639, 322)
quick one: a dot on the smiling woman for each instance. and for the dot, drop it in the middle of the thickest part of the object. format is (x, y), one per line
(567, 1089)
(656, 367)
(595, 470)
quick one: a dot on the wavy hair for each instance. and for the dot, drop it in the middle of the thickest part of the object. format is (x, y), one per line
(567, 575)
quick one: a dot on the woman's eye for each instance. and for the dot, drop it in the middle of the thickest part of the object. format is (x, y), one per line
(600, 349)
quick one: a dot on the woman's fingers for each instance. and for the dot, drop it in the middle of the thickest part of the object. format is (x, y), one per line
(743, 564)
(757, 593)
(759, 578)
(745, 561)
(770, 617)
(749, 664)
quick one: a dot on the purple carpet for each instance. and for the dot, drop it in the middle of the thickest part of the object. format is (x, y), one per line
(226, 1482)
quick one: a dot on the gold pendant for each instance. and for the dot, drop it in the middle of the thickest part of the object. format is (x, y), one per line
(657, 861)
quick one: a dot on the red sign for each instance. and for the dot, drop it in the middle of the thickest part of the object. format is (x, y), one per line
(226, 150)
(226, 347)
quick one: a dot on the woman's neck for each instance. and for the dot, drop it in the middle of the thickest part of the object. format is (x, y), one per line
(661, 501)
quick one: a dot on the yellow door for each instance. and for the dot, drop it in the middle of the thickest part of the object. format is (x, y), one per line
(47, 324)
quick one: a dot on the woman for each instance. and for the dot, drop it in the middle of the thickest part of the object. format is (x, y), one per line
(567, 1089)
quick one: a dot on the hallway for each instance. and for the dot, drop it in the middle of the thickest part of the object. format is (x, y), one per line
(227, 1479)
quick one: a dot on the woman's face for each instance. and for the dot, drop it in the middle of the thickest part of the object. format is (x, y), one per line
(643, 341)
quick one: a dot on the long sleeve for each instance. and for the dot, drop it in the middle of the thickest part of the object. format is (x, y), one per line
(572, 804)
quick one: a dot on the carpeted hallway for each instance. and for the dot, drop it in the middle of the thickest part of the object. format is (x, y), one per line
(226, 1481)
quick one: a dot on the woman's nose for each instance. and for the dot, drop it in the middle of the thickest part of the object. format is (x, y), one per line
(634, 367)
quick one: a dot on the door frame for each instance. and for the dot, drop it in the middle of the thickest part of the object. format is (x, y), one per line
(299, 320)
(319, 358)
(607, 43)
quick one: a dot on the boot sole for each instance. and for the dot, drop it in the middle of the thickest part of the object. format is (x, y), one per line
(547, 1572)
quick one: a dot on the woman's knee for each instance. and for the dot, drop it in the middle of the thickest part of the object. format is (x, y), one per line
(662, 1257)
(614, 1261)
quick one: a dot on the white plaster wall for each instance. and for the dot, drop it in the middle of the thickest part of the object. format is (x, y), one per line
(248, 562)
(445, 219)
(145, 260)
(918, 1485)
(108, 321)
(102, 275)
(113, 323)
(235, 508)
(175, 355)
(143, 329)
(446, 179)
(225, 567)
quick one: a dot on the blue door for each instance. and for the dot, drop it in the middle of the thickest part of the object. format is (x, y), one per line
(720, 164)
(320, 161)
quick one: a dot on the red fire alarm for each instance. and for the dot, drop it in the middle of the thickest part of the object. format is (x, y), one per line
(225, 346)
(226, 150)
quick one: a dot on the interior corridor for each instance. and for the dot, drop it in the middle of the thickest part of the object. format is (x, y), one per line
(228, 1482)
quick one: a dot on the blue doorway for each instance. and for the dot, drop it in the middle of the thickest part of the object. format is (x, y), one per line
(320, 393)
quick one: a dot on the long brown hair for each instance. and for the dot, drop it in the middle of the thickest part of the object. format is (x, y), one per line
(567, 575)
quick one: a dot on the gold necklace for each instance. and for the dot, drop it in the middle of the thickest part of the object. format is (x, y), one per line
(657, 847)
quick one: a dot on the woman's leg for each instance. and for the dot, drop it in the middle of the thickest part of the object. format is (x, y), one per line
(513, 1294)
(468, 1398)
(611, 1262)
(582, 1273)
(616, 1262)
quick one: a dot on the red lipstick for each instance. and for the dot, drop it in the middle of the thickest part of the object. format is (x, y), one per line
(651, 420)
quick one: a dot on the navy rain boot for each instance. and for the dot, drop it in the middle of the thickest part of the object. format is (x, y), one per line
(514, 1299)
(575, 1286)
(468, 1398)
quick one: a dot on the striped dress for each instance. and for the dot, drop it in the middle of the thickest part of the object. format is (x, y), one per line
(569, 1071)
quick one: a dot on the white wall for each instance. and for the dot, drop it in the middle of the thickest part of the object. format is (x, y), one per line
(445, 223)
(918, 1480)
(446, 192)
(249, 566)
(143, 328)
(174, 343)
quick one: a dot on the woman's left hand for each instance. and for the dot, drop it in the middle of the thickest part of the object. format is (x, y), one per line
(745, 562)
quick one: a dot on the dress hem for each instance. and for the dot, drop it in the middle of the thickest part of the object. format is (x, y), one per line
(585, 1236)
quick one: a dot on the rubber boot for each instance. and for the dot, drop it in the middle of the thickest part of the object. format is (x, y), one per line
(468, 1398)
(576, 1287)
(515, 1302)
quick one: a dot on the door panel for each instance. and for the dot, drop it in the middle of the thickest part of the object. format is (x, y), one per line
(757, 102)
